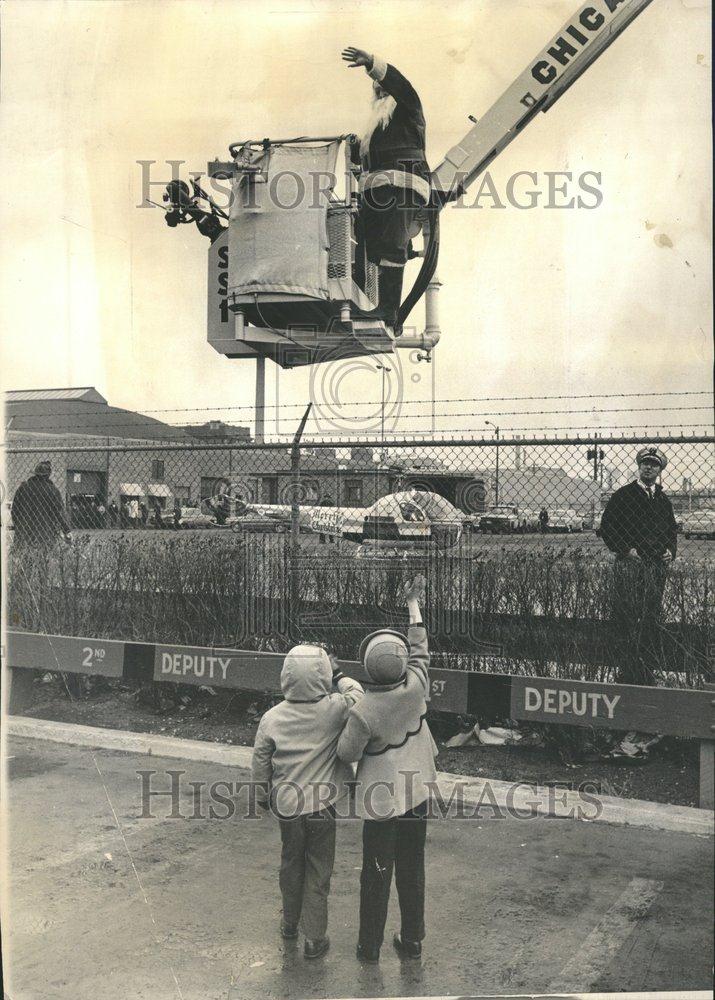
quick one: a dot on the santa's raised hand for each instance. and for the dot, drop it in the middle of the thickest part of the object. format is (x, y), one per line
(356, 57)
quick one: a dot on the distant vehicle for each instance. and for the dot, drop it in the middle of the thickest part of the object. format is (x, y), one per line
(565, 520)
(410, 519)
(196, 517)
(530, 519)
(252, 523)
(699, 524)
(505, 519)
(247, 521)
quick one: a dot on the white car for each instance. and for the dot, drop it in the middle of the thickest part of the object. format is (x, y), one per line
(564, 520)
(196, 517)
(504, 519)
(699, 524)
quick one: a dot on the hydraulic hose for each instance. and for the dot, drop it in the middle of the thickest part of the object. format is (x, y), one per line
(426, 272)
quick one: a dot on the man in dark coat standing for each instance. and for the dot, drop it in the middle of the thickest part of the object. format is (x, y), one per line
(395, 180)
(638, 525)
(38, 513)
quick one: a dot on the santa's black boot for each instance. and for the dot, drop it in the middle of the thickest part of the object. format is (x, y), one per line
(390, 294)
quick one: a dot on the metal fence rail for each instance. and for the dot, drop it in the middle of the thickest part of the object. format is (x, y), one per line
(687, 714)
(189, 543)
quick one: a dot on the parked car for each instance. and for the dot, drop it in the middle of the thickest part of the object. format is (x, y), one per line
(507, 518)
(699, 524)
(530, 520)
(252, 523)
(196, 517)
(565, 520)
(167, 516)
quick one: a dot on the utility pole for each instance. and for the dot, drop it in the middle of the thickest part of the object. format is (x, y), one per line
(384, 369)
(496, 483)
(595, 459)
(596, 455)
(260, 412)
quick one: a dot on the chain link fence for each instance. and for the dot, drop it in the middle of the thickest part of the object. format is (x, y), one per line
(531, 566)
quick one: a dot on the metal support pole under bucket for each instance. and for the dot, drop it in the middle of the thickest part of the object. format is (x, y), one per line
(295, 523)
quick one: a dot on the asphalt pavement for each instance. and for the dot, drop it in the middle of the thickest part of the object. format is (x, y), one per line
(106, 904)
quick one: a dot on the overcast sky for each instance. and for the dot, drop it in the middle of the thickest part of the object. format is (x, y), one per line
(534, 302)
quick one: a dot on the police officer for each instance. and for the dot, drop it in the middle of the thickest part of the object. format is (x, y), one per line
(638, 525)
(395, 180)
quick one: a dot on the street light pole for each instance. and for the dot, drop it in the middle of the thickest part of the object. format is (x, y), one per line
(384, 369)
(260, 406)
(496, 483)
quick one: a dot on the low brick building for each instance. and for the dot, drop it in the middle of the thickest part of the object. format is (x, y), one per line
(104, 454)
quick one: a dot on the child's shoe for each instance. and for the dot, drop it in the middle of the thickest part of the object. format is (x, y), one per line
(407, 949)
(314, 949)
(365, 954)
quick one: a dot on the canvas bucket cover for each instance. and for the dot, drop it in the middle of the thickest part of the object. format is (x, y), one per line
(278, 234)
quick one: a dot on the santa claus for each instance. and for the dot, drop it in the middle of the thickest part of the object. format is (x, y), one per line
(395, 178)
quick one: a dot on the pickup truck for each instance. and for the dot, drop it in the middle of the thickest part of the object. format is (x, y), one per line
(505, 519)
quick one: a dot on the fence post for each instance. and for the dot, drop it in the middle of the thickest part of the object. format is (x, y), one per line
(20, 689)
(707, 765)
(295, 521)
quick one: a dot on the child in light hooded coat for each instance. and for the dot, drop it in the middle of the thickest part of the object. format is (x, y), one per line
(299, 774)
(387, 734)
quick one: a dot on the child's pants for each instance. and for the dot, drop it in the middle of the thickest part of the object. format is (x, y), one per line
(393, 844)
(307, 857)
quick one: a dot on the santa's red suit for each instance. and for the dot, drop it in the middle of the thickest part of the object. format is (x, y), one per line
(394, 183)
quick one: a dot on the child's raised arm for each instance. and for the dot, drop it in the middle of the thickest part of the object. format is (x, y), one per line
(418, 662)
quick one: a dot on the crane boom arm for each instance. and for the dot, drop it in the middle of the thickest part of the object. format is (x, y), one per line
(569, 54)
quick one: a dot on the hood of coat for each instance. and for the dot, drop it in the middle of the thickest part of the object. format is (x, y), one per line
(307, 674)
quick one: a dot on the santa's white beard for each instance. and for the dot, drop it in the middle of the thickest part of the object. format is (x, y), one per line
(381, 111)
